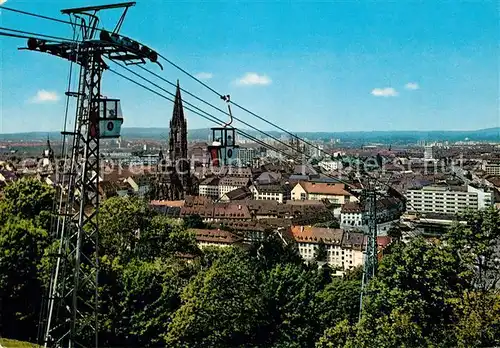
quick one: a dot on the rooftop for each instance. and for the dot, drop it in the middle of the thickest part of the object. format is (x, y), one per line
(167, 203)
(315, 234)
(216, 236)
(238, 194)
(325, 188)
(234, 181)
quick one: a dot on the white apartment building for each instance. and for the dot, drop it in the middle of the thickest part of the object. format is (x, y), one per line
(428, 153)
(492, 168)
(344, 249)
(209, 188)
(272, 192)
(335, 193)
(246, 155)
(448, 200)
(217, 187)
(330, 165)
(353, 216)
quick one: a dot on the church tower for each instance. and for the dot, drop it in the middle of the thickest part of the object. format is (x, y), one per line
(178, 153)
(173, 177)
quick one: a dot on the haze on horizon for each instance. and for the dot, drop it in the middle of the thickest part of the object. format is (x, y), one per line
(329, 67)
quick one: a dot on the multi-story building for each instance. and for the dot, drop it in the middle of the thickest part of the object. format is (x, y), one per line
(272, 192)
(216, 187)
(448, 199)
(209, 188)
(216, 238)
(344, 249)
(388, 212)
(329, 165)
(335, 193)
(428, 153)
(218, 212)
(239, 194)
(246, 155)
(492, 168)
(229, 183)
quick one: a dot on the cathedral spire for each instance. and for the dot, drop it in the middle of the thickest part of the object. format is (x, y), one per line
(178, 114)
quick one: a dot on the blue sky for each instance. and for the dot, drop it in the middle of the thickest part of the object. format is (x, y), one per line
(307, 66)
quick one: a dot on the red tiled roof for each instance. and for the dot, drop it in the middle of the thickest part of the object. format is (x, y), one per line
(232, 211)
(352, 207)
(315, 234)
(168, 203)
(324, 188)
(216, 236)
(383, 242)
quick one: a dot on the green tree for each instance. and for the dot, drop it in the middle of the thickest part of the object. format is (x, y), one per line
(163, 237)
(338, 301)
(413, 281)
(337, 336)
(289, 291)
(193, 221)
(477, 308)
(406, 303)
(22, 246)
(395, 232)
(273, 250)
(122, 220)
(145, 294)
(476, 246)
(221, 306)
(477, 316)
(29, 199)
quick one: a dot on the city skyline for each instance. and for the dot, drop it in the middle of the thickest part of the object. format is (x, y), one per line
(306, 67)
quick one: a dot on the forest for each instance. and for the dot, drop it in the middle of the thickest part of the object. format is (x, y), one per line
(427, 292)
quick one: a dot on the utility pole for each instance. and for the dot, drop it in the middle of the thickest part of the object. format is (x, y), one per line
(70, 317)
(369, 201)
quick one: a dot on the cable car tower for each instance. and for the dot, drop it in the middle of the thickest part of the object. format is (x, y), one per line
(370, 256)
(70, 318)
(223, 150)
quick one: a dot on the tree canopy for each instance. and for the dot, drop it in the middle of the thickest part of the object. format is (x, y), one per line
(157, 288)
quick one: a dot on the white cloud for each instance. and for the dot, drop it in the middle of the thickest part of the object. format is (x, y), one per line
(252, 78)
(204, 76)
(412, 86)
(43, 96)
(384, 92)
(2, 2)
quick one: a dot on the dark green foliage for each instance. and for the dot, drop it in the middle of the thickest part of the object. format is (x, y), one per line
(22, 245)
(121, 222)
(425, 294)
(320, 254)
(221, 306)
(333, 223)
(26, 198)
(164, 237)
(433, 294)
(272, 251)
(193, 221)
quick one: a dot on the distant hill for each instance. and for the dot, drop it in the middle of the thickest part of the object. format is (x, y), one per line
(489, 134)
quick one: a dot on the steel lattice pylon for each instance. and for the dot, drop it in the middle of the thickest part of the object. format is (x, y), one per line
(73, 292)
(369, 200)
(70, 317)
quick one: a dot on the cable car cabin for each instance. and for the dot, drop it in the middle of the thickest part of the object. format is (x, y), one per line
(110, 118)
(223, 151)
